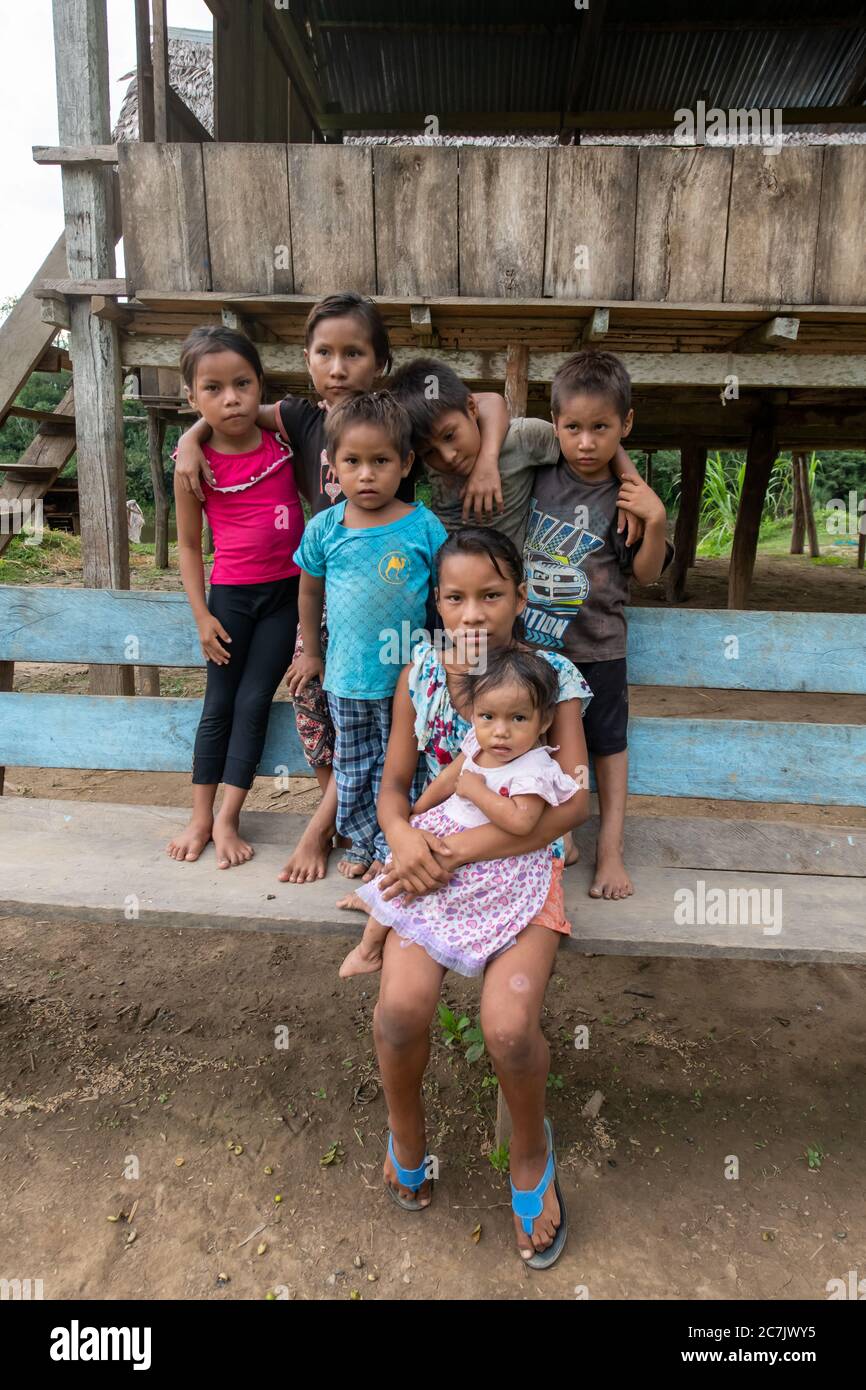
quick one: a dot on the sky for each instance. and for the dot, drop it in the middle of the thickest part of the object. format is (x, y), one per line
(31, 209)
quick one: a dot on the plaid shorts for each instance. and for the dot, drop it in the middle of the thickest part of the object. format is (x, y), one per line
(362, 728)
(312, 716)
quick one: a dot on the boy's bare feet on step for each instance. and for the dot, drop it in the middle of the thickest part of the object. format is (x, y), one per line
(231, 850)
(189, 844)
(349, 869)
(527, 1170)
(611, 878)
(309, 859)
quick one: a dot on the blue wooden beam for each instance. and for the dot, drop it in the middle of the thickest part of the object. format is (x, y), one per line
(685, 647)
(730, 760)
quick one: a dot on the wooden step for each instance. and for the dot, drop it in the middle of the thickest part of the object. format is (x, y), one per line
(106, 864)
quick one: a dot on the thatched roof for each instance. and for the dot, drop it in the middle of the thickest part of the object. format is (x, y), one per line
(190, 72)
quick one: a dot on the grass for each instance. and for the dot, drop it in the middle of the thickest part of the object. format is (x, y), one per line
(57, 560)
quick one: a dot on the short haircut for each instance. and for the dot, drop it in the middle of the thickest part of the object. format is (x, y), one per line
(428, 388)
(516, 666)
(204, 341)
(370, 408)
(340, 306)
(594, 374)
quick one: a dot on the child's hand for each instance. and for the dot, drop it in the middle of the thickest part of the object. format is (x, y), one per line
(303, 670)
(191, 467)
(482, 491)
(469, 784)
(636, 498)
(634, 527)
(212, 635)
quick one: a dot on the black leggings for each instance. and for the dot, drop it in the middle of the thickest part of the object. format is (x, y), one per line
(261, 620)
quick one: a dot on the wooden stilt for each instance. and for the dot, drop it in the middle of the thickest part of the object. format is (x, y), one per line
(160, 71)
(517, 379)
(148, 680)
(144, 70)
(861, 549)
(759, 464)
(649, 468)
(81, 55)
(155, 442)
(693, 467)
(799, 523)
(808, 509)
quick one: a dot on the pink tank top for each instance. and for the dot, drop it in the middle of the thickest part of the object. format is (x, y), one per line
(255, 514)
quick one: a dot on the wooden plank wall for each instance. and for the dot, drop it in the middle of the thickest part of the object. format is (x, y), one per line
(606, 222)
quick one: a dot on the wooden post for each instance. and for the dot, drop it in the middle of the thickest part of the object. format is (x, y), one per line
(861, 550)
(759, 464)
(517, 379)
(649, 468)
(7, 676)
(81, 49)
(808, 509)
(799, 523)
(148, 680)
(693, 467)
(155, 442)
(160, 71)
(144, 70)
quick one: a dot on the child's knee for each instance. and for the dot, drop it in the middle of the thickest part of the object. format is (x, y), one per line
(510, 1034)
(400, 1022)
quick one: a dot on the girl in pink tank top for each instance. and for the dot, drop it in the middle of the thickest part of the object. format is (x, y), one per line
(247, 621)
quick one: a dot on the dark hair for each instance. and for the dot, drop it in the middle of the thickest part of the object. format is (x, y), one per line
(592, 373)
(498, 548)
(370, 408)
(516, 666)
(339, 306)
(203, 341)
(411, 385)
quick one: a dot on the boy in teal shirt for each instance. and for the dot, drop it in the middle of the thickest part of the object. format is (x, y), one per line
(373, 558)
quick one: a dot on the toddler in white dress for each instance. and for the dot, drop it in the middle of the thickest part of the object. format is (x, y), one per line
(503, 775)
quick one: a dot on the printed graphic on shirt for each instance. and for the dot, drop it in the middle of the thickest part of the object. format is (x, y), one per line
(557, 584)
(327, 483)
(394, 567)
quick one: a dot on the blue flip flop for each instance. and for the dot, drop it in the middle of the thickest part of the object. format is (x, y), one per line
(413, 1178)
(529, 1204)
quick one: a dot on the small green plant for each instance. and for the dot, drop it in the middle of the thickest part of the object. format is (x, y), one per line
(814, 1156)
(459, 1030)
(499, 1158)
(554, 1083)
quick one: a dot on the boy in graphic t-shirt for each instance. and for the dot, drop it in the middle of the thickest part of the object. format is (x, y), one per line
(577, 572)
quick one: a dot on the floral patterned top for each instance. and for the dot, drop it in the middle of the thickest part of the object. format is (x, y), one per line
(440, 730)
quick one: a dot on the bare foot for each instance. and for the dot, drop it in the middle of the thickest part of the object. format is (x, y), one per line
(349, 869)
(352, 903)
(374, 870)
(364, 960)
(572, 853)
(410, 1156)
(308, 861)
(527, 1170)
(611, 877)
(189, 844)
(231, 849)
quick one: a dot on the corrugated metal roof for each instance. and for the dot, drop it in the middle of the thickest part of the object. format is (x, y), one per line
(455, 65)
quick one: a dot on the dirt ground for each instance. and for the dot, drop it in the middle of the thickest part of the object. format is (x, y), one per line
(134, 1065)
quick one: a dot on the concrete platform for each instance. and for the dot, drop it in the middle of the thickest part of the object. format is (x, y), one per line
(106, 863)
